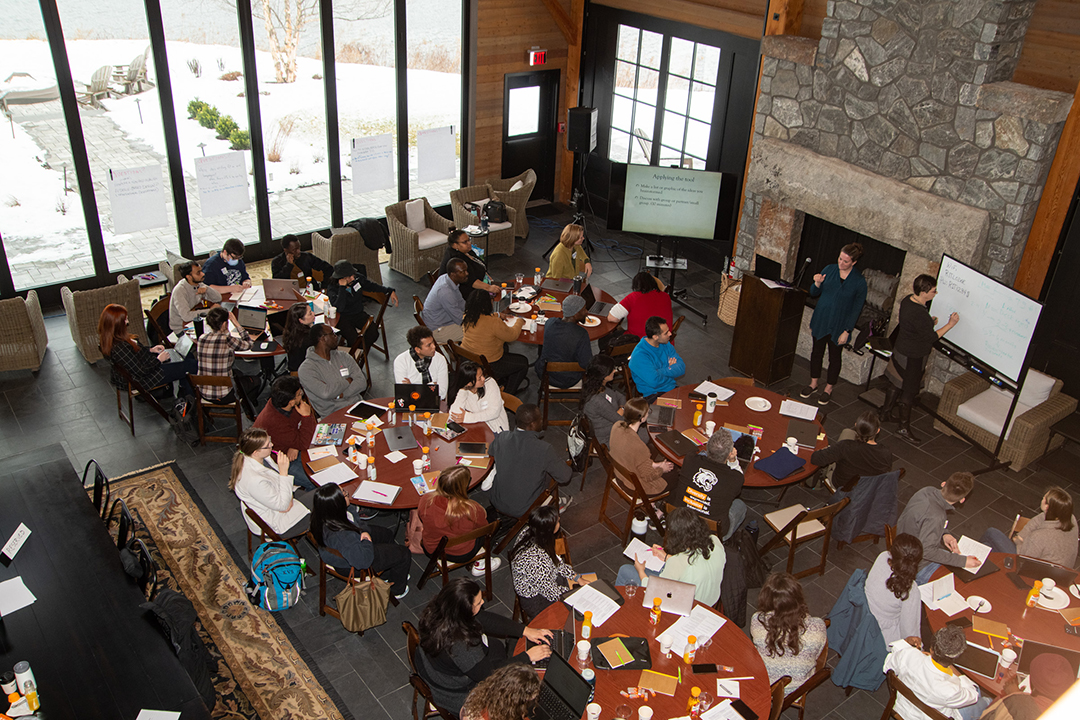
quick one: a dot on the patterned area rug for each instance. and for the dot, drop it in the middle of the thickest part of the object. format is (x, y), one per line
(260, 675)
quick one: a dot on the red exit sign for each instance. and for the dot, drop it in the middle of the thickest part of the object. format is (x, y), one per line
(537, 57)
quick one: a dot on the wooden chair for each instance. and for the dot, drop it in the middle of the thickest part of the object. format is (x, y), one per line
(593, 445)
(327, 569)
(134, 388)
(216, 408)
(247, 402)
(552, 492)
(675, 327)
(811, 524)
(621, 355)
(713, 526)
(736, 380)
(511, 402)
(432, 276)
(267, 534)
(420, 688)
(776, 706)
(154, 316)
(633, 498)
(822, 672)
(380, 321)
(890, 535)
(897, 686)
(869, 536)
(360, 351)
(102, 492)
(561, 549)
(550, 394)
(418, 310)
(460, 354)
(439, 561)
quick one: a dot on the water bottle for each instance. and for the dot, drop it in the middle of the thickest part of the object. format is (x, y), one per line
(578, 279)
(483, 223)
(372, 473)
(538, 278)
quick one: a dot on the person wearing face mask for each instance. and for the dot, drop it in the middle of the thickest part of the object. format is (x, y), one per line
(225, 271)
(345, 291)
(331, 378)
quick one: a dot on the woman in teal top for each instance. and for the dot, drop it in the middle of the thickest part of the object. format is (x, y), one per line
(842, 292)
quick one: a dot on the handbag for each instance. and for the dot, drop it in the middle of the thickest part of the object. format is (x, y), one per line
(362, 605)
(496, 211)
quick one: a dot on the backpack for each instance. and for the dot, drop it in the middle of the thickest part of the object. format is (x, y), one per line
(184, 421)
(496, 211)
(275, 576)
(754, 568)
(577, 444)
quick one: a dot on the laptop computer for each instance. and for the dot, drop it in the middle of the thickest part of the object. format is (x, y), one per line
(661, 415)
(424, 397)
(988, 568)
(678, 443)
(595, 306)
(675, 597)
(1036, 569)
(553, 285)
(282, 290)
(180, 350)
(563, 642)
(979, 660)
(563, 693)
(1031, 650)
(251, 318)
(400, 438)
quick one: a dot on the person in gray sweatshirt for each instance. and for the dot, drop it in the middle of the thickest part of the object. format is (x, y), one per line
(331, 378)
(926, 517)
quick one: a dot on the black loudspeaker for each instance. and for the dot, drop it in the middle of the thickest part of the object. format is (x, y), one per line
(581, 129)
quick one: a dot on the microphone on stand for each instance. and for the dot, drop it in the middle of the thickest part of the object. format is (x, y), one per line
(802, 271)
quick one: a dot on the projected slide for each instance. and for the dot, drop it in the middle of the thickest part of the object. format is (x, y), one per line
(671, 201)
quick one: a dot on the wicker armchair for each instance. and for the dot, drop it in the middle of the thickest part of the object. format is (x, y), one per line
(500, 235)
(411, 256)
(83, 308)
(22, 333)
(518, 199)
(347, 244)
(1030, 430)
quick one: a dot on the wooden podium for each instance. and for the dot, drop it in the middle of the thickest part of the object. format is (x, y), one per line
(766, 330)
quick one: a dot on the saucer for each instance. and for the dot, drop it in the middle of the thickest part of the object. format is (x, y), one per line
(1075, 590)
(758, 404)
(973, 602)
(1058, 600)
(590, 321)
(520, 307)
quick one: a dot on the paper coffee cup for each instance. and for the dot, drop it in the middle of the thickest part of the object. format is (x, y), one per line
(592, 711)
(644, 713)
(665, 644)
(583, 648)
(1008, 657)
(710, 427)
(418, 467)
(1048, 586)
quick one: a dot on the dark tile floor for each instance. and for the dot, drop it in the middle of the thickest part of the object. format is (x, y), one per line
(71, 402)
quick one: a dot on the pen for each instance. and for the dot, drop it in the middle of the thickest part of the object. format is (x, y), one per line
(380, 493)
(680, 674)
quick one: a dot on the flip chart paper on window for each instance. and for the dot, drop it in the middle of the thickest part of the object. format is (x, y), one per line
(372, 163)
(223, 183)
(436, 150)
(137, 198)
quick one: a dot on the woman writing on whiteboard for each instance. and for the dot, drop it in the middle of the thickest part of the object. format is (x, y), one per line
(915, 339)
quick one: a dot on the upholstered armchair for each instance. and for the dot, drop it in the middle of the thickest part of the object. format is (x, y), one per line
(418, 236)
(83, 308)
(500, 235)
(22, 333)
(347, 244)
(977, 408)
(515, 197)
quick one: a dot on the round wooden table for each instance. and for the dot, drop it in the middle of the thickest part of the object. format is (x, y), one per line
(729, 646)
(537, 338)
(736, 413)
(442, 453)
(1007, 606)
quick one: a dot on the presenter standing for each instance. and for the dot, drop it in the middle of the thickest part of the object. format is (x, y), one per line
(842, 292)
(915, 339)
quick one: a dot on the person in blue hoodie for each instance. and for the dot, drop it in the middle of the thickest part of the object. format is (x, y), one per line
(654, 364)
(225, 271)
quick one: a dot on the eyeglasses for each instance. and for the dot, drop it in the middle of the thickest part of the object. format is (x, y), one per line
(267, 446)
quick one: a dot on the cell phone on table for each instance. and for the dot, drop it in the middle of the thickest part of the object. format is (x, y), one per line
(960, 622)
(1017, 581)
(704, 668)
(455, 427)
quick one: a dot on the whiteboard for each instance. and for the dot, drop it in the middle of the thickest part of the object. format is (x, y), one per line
(372, 163)
(436, 151)
(223, 183)
(996, 322)
(137, 199)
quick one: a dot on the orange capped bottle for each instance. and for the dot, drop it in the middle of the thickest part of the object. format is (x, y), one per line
(692, 704)
(691, 649)
(1033, 595)
(586, 625)
(654, 616)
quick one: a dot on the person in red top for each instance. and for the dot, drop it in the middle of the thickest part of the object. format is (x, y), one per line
(448, 512)
(288, 420)
(646, 300)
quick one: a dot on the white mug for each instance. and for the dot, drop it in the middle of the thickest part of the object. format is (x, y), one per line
(592, 711)
(710, 427)
(1048, 585)
(644, 713)
(583, 648)
(793, 444)
(418, 467)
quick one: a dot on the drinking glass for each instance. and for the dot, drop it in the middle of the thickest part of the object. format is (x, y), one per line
(623, 712)
(631, 590)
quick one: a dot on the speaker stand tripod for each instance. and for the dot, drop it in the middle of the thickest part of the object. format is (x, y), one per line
(673, 263)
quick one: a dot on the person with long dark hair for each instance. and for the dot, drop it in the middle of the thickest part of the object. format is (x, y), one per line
(891, 592)
(628, 449)
(459, 247)
(1051, 535)
(449, 512)
(486, 334)
(841, 292)
(150, 367)
(856, 454)
(264, 485)
(475, 397)
(787, 637)
(915, 339)
(459, 646)
(691, 553)
(600, 403)
(297, 337)
(509, 693)
(290, 422)
(540, 574)
(363, 546)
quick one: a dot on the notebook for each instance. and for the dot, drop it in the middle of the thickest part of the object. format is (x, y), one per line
(377, 492)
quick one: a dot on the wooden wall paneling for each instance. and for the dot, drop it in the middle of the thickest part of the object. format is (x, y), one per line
(738, 17)
(785, 17)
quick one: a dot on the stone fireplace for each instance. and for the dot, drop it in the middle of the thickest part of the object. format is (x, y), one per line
(901, 124)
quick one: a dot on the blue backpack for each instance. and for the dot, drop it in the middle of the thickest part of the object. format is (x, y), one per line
(276, 575)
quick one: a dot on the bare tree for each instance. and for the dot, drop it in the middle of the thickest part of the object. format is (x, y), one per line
(285, 20)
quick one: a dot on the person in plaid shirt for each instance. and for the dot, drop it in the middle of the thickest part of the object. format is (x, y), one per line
(216, 350)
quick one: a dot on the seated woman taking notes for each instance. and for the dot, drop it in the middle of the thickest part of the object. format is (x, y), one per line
(476, 398)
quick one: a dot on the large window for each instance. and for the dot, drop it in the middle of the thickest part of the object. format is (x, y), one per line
(686, 76)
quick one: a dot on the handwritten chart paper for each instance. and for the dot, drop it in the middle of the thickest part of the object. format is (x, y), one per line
(137, 197)
(372, 164)
(436, 151)
(223, 184)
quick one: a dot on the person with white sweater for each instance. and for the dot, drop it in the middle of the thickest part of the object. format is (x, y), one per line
(477, 399)
(933, 677)
(267, 488)
(1051, 535)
